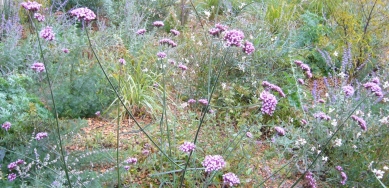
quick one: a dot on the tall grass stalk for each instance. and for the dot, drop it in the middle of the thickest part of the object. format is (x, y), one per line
(117, 131)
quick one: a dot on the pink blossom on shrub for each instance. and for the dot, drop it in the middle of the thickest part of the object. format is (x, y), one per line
(269, 103)
(321, 115)
(230, 179)
(47, 34)
(174, 32)
(39, 17)
(374, 88)
(65, 50)
(97, 113)
(169, 42)
(83, 14)
(273, 87)
(305, 68)
(6, 125)
(19, 161)
(11, 177)
(41, 135)
(343, 175)
(234, 38)
(161, 55)
(248, 47)
(301, 81)
(339, 168)
(376, 80)
(12, 166)
(145, 152)
(249, 135)
(360, 121)
(310, 181)
(303, 122)
(127, 168)
(321, 101)
(203, 102)
(31, 6)
(221, 27)
(348, 90)
(187, 147)
(280, 131)
(132, 160)
(183, 67)
(141, 32)
(191, 101)
(122, 61)
(158, 24)
(38, 67)
(213, 163)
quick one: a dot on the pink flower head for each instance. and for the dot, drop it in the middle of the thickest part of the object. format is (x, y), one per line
(248, 47)
(122, 61)
(187, 147)
(11, 177)
(230, 179)
(376, 80)
(273, 87)
(321, 115)
(12, 166)
(19, 161)
(249, 135)
(221, 27)
(298, 62)
(161, 55)
(301, 81)
(348, 90)
(303, 122)
(203, 102)
(41, 135)
(65, 50)
(145, 152)
(158, 24)
(191, 101)
(360, 121)
(374, 88)
(234, 38)
(6, 125)
(339, 168)
(309, 180)
(97, 113)
(183, 67)
(213, 163)
(132, 160)
(343, 175)
(214, 32)
(305, 68)
(83, 14)
(280, 131)
(168, 42)
(127, 168)
(269, 103)
(141, 32)
(174, 32)
(39, 17)
(47, 34)
(38, 67)
(321, 101)
(31, 6)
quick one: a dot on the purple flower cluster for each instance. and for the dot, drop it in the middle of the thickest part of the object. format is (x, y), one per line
(13, 166)
(360, 121)
(31, 6)
(6, 125)
(174, 32)
(169, 42)
(303, 122)
(305, 68)
(310, 181)
(141, 32)
(182, 67)
(219, 28)
(65, 50)
(269, 103)
(47, 33)
(132, 160)
(375, 80)
(158, 24)
(11, 177)
(122, 61)
(234, 38)
(38, 67)
(97, 113)
(187, 147)
(230, 179)
(41, 135)
(191, 101)
(249, 135)
(248, 47)
(280, 131)
(348, 90)
(342, 175)
(39, 17)
(203, 102)
(161, 55)
(374, 88)
(300, 81)
(213, 163)
(83, 14)
(321, 115)
(273, 87)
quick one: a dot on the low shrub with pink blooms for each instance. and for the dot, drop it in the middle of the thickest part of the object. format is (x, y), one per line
(83, 14)
(213, 163)
(174, 32)
(31, 6)
(47, 34)
(38, 67)
(348, 90)
(230, 179)
(41, 135)
(248, 47)
(187, 147)
(203, 102)
(39, 17)
(269, 103)
(158, 24)
(11, 177)
(141, 32)
(161, 55)
(6, 125)
(234, 38)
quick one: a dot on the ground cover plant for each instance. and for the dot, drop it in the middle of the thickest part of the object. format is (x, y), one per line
(207, 93)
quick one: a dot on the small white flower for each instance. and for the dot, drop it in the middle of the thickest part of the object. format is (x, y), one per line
(386, 168)
(242, 5)
(145, 70)
(184, 105)
(324, 158)
(359, 113)
(354, 146)
(371, 163)
(359, 134)
(301, 142)
(330, 133)
(342, 75)
(207, 13)
(331, 110)
(385, 99)
(318, 152)
(327, 95)
(378, 173)
(338, 142)
(334, 123)
(386, 85)
(313, 148)
(384, 120)
(336, 54)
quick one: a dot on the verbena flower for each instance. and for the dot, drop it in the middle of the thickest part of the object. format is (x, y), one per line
(280, 131)
(47, 34)
(11, 177)
(375, 80)
(310, 181)
(83, 14)
(122, 61)
(348, 90)
(158, 24)
(132, 160)
(219, 28)
(214, 32)
(269, 103)
(168, 42)
(39, 17)
(305, 68)
(360, 121)
(339, 168)
(213, 163)
(374, 88)
(97, 113)
(65, 50)
(249, 135)
(191, 101)
(145, 152)
(19, 161)
(187, 147)
(234, 38)
(127, 168)
(41, 135)
(38, 67)
(273, 87)
(12, 166)
(6, 125)
(248, 47)
(322, 115)
(161, 55)
(343, 175)
(301, 81)
(141, 32)
(183, 67)
(321, 101)
(174, 32)
(230, 179)
(203, 102)
(303, 122)
(31, 6)
(378, 173)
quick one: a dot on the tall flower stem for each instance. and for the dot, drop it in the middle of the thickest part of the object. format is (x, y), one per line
(54, 107)
(117, 131)
(125, 107)
(164, 114)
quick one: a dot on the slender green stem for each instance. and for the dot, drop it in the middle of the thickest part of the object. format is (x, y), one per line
(54, 107)
(164, 114)
(117, 132)
(125, 107)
